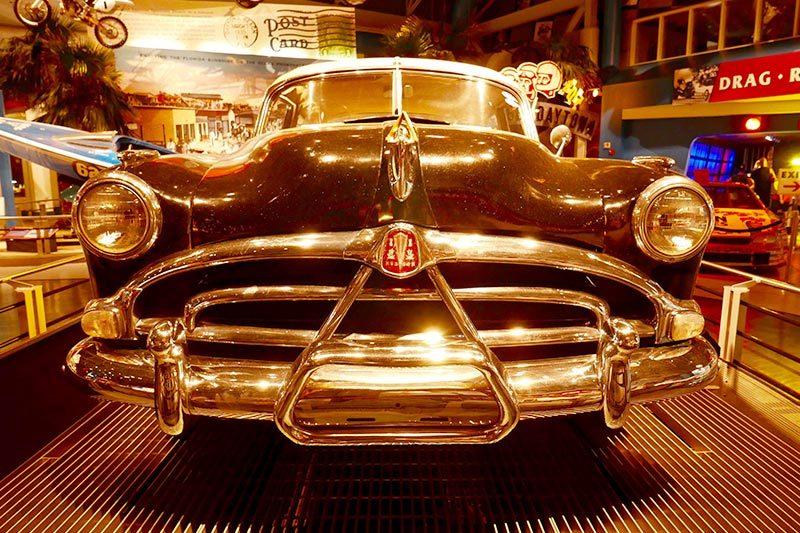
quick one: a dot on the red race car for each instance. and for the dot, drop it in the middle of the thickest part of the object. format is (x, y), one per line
(746, 232)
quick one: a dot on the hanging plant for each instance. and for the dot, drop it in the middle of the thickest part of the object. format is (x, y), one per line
(412, 39)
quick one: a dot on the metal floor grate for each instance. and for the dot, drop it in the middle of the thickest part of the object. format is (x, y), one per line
(114, 471)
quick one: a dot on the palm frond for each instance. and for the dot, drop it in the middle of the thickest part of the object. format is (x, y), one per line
(73, 79)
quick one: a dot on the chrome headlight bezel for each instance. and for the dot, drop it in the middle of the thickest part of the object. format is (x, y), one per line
(646, 201)
(142, 191)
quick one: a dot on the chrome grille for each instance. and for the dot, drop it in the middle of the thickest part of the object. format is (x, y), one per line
(277, 291)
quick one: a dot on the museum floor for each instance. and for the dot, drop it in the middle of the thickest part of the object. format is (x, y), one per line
(723, 459)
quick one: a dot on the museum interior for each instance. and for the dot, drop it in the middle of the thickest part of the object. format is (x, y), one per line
(400, 265)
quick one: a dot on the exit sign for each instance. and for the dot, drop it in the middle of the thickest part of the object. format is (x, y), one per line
(789, 181)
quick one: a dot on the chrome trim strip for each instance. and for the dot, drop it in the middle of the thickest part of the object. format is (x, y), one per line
(541, 388)
(295, 337)
(363, 246)
(435, 247)
(352, 291)
(300, 338)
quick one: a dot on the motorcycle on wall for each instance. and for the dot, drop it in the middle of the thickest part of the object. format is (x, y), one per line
(110, 31)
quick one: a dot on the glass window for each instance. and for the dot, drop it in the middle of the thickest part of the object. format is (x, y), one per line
(675, 34)
(714, 163)
(706, 29)
(777, 19)
(367, 97)
(741, 22)
(733, 197)
(468, 102)
(646, 41)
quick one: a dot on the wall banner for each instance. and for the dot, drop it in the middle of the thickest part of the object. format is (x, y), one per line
(760, 77)
(276, 30)
(776, 75)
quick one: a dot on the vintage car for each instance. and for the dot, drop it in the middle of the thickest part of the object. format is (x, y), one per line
(746, 232)
(393, 258)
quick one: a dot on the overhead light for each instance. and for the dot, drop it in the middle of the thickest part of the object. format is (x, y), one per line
(752, 124)
(795, 162)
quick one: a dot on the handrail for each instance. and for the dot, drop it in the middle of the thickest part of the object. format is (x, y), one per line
(37, 202)
(15, 217)
(754, 277)
(732, 317)
(34, 296)
(41, 268)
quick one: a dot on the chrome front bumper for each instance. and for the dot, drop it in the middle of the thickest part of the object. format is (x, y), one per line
(341, 392)
(348, 387)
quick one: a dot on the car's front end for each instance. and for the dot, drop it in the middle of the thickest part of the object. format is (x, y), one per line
(388, 280)
(746, 233)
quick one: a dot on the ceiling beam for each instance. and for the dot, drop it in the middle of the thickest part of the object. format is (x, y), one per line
(576, 18)
(529, 14)
(411, 6)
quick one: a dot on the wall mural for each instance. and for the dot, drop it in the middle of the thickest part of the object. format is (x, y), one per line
(196, 77)
(196, 101)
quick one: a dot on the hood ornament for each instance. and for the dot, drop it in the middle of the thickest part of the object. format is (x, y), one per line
(402, 148)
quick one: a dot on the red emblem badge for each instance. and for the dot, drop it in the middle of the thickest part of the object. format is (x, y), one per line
(400, 252)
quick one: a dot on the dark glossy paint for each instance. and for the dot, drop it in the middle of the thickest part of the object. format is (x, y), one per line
(334, 178)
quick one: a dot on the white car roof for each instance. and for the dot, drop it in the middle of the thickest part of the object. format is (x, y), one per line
(405, 63)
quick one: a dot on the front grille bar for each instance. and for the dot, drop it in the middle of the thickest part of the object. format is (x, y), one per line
(199, 330)
(300, 338)
(364, 247)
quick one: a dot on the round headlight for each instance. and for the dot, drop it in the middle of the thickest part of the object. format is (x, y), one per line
(117, 216)
(673, 219)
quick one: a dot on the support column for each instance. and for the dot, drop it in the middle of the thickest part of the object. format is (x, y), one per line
(612, 33)
(6, 185)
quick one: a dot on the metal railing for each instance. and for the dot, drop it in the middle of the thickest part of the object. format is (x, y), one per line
(732, 323)
(40, 226)
(711, 26)
(33, 300)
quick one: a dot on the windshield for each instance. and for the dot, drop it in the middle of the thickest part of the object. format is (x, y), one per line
(368, 97)
(733, 197)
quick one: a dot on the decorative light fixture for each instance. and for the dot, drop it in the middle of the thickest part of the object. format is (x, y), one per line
(752, 124)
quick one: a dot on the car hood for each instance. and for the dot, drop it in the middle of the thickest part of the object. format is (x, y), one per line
(336, 178)
(727, 220)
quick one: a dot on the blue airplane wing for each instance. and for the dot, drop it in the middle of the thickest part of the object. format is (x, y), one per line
(68, 151)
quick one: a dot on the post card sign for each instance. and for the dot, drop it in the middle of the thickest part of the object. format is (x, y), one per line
(273, 30)
(533, 78)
